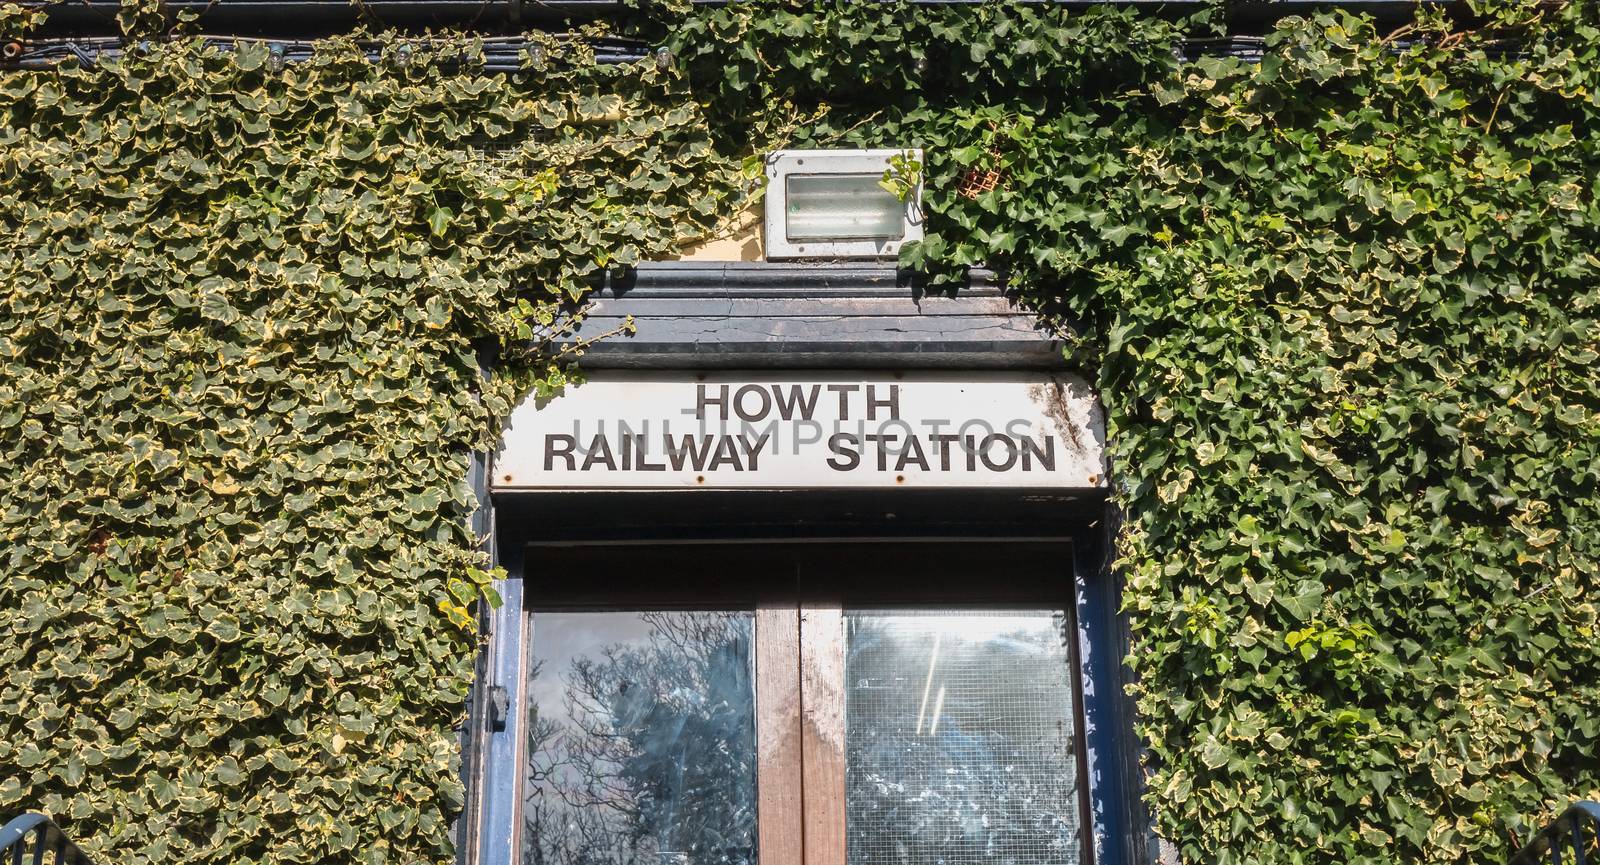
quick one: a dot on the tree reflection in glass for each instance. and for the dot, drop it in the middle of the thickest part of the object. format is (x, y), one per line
(642, 740)
(960, 740)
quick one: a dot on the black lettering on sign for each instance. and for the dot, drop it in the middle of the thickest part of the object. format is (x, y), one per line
(796, 400)
(726, 453)
(883, 442)
(1045, 454)
(559, 446)
(986, 451)
(912, 452)
(599, 452)
(752, 450)
(701, 401)
(892, 403)
(690, 450)
(740, 403)
(770, 412)
(844, 390)
(845, 455)
(640, 462)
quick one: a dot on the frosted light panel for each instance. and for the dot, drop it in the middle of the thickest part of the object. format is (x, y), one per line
(842, 207)
(960, 739)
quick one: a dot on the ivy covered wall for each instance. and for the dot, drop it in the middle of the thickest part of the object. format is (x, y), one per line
(241, 309)
(1341, 303)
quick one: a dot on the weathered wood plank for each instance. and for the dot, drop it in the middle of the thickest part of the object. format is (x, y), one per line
(756, 314)
(822, 701)
(778, 735)
(746, 306)
(770, 279)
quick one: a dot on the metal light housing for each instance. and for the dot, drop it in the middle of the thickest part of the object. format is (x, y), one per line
(832, 204)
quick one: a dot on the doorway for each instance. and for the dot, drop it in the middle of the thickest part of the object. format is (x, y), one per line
(831, 702)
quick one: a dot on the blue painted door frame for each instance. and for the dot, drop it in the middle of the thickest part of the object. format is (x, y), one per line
(496, 769)
(693, 316)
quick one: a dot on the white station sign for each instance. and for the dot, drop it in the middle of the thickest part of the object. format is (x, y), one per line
(807, 431)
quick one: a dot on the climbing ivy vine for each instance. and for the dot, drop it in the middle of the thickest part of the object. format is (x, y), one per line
(1340, 300)
(243, 307)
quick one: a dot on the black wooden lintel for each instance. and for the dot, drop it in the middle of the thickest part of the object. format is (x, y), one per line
(700, 315)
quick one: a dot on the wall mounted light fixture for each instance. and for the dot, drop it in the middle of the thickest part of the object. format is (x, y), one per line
(842, 203)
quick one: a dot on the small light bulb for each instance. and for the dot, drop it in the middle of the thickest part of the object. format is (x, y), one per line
(275, 57)
(402, 56)
(536, 56)
(663, 59)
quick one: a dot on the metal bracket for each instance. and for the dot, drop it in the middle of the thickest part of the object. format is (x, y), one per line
(499, 708)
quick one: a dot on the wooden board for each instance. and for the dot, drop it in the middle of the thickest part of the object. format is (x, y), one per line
(822, 734)
(778, 763)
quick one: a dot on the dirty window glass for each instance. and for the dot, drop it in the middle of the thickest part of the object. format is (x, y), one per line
(959, 742)
(642, 740)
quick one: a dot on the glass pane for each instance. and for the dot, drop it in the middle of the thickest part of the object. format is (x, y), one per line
(842, 207)
(642, 740)
(959, 738)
